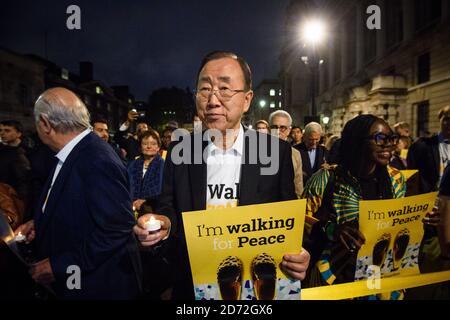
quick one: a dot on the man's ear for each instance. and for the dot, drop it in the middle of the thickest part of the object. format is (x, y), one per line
(248, 100)
(45, 125)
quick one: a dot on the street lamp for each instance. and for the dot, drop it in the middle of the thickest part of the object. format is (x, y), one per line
(313, 34)
(262, 103)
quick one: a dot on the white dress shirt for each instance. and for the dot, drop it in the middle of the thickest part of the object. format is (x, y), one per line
(223, 174)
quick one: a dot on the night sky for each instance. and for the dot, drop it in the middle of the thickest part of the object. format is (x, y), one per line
(147, 44)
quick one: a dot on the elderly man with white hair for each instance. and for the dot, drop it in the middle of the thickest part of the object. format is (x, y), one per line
(281, 121)
(82, 227)
(313, 154)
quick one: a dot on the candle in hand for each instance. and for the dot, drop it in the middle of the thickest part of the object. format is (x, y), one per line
(20, 237)
(153, 225)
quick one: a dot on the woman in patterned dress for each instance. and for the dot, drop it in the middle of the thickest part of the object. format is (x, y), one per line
(333, 196)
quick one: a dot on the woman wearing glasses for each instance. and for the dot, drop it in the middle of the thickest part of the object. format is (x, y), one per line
(362, 173)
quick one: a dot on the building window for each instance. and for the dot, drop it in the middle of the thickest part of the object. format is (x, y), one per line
(427, 13)
(423, 68)
(98, 90)
(423, 113)
(272, 92)
(272, 105)
(65, 74)
(279, 104)
(279, 92)
(23, 95)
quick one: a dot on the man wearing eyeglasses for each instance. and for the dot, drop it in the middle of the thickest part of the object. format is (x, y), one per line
(223, 95)
(313, 154)
(280, 124)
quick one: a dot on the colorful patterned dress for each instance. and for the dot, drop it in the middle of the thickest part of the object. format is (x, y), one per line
(345, 196)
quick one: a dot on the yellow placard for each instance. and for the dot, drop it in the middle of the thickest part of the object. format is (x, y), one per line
(373, 286)
(393, 230)
(408, 173)
(235, 253)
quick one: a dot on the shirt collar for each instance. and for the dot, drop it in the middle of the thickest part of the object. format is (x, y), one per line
(237, 145)
(64, 152)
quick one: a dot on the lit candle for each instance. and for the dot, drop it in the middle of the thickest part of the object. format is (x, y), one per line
(136, 214)
(20, 237)
(153, 225)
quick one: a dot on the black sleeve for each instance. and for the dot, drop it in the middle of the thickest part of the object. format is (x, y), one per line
(444, 188)
(413, 155)
(20, 170)
(165, 204)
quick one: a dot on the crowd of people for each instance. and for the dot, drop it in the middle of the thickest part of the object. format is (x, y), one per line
(83, 199)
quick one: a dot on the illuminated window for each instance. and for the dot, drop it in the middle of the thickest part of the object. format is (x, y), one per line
(98, 90)
(65, 74)
(272, 105)
(279, 92)
(272, 92)
(130, 101)
(279, 104)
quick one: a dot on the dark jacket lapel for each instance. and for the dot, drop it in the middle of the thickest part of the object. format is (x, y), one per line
(248, 184)
(197, 178)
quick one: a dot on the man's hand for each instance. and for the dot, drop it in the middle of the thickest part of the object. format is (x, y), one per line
(432, 219)
(146, 239)
(138, 204)
(42, 273)
(295, 265)
(27, 229)
(132, 115)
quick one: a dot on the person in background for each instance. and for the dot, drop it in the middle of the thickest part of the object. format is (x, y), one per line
(127, 139)
(281, 122)
(262, 126)
(402, 129)
(146, 172)
(197, 124)
(100, 128)
(430, 155)
(330, 142)
(296, 135)
(398, 161)
(314, 155)
(166, 138)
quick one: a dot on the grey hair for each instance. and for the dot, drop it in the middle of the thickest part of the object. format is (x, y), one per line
(280, 113)
(312, 127)
(64, 117)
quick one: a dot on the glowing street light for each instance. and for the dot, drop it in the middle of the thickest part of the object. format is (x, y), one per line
(262, 103)
(325, 120)
(313, 32)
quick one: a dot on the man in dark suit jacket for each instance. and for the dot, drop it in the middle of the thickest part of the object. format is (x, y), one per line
(310, 148)
(83, 223)
(224, 95)
(430, 155)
